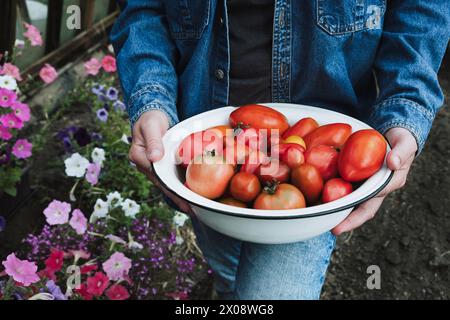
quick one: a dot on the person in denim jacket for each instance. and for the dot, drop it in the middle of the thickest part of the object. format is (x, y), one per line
(375, 60)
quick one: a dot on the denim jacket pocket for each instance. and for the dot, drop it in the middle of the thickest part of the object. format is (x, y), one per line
(187, 18)
(340, 17)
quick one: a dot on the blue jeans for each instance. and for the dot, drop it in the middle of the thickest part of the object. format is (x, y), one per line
(250, 271)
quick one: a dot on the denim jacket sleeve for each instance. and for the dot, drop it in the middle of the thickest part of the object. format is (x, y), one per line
(146, 57)
(414, 40)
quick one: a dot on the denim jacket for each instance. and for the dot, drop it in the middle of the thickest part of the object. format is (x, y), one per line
(376, 60)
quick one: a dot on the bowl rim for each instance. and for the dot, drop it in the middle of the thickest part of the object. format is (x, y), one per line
(280, 217)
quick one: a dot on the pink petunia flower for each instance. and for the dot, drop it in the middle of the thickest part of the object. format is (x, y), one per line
(117, 292)
(109, 63)
(11, 70)
(22, 149)
(11, 121)
(22, 271)
(97, 284)
(78, 221)
(5, 134)
(92, 67)
(92, 173)
(57, 212)
(21, 111)
(48, 74)
(7, 98)
(33, 35)
(117, 266)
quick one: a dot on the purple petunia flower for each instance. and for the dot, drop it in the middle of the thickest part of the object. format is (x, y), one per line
(82, 137)
(98, 89)
(112, 94)
(102, 115)
(96, 136)
(55, 291)
(119, 106)
(5, 156)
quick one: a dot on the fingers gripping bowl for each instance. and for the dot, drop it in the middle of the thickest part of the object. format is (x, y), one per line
(264, 226)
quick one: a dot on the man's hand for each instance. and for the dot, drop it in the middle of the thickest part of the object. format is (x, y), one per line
(400, 159)
(147, 147)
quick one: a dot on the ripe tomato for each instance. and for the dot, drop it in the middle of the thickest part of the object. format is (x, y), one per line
(251, 137)
(334, 134)
(309, 180)
(198, 143)
(324, 158)
(280, 197)
(259, 117)
(209, 176)
(245, 186)
(363, 155)
(293, 157)
(335, 189)
(224, 131)
(278, 150)
(273, 171)
(233, 202)
(253, 160)
(301, 128)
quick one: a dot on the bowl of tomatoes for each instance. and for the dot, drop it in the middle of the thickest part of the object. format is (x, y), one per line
(273, 173)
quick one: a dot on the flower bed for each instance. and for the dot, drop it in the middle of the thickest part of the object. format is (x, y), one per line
(108, 235)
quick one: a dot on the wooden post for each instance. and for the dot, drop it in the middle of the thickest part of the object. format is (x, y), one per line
(54, 20)
(87, 12)
(8, 9)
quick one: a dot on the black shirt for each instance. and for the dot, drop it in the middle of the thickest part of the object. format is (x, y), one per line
(250, 29)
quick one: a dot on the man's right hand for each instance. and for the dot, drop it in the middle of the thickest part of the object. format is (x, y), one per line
(147, 147)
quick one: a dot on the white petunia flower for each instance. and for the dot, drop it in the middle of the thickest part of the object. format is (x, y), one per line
(133, 245)
(8, 82)
(19, 44)
(124, 139)
(179, 240)
(76, 165)
(101, 209)
(114, 199)
(98, 155)
(179, 219)
(130, 207)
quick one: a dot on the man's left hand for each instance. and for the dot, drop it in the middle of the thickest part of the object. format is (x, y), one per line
(400, 159)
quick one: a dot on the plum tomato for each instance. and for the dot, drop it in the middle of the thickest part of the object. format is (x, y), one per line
(273, 171)
(301, 128)
(309, 180)
(334, 134)
(280, 197)
(259, 117)
(253, 160)
(335, 189)
(293, 157)
(324, 158)
(245, 186)
(363, 155)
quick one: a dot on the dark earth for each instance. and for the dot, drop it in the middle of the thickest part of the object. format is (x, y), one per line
(409, 239)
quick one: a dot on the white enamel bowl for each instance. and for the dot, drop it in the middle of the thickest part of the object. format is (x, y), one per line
(264, 226)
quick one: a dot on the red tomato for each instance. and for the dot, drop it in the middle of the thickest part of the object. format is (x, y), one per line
(273, 171)
(280, 197)
(334, 135)
(363, 155)
(301, 128)
(198, 143)
(209, 176)
(324, 158)
(278, 150)
(251, 137)
(293, 157)
(245, 186)
(259, 117)
(335, 189)
(309, 180)
(254, 159)
(233, 202)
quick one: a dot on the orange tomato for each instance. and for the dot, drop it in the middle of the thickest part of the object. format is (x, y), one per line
(309, 180)
(280, 197)
(301, 128)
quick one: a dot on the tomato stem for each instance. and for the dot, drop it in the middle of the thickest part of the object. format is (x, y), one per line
(271, 187)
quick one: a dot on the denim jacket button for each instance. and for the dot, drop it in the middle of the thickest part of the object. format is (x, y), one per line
(219, 74)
